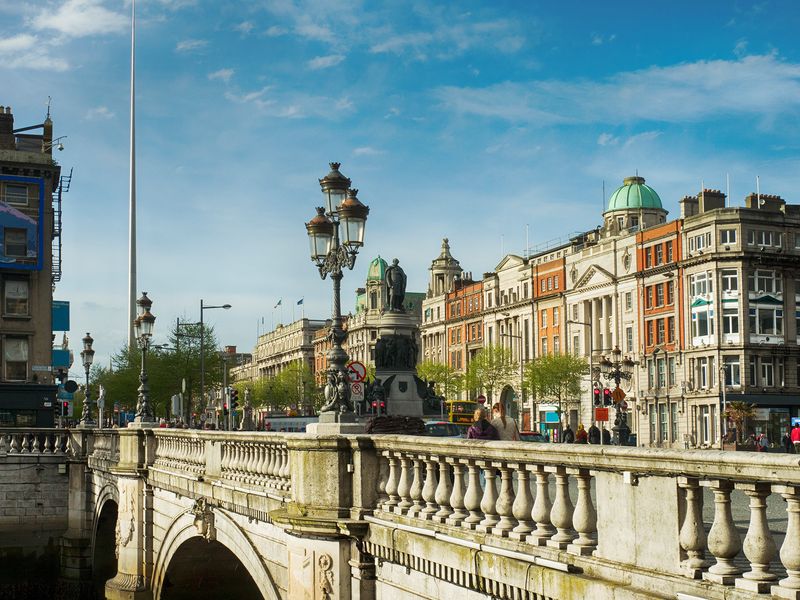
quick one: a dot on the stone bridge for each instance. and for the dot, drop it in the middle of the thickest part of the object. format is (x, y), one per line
(164, 513)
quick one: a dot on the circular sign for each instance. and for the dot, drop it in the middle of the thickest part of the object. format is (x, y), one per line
(357, 371)
(481, 399)
(71, 386)
(357, 388)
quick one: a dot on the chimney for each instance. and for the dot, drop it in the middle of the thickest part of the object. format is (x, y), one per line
(689, 206)
(7, 141)
(230, 349)
(769, 202)
(711, 199)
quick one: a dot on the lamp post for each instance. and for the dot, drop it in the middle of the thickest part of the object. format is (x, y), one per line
(336, 233)
(87, 357)
(618, 369)
(143, 329)
(203, 308)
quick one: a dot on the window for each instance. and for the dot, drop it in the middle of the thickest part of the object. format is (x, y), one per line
(544, 346)
(670, 292)
(659, 254)
(660, 331)
(702, 321)
(659, 295)
(555, 316)
(16, 194)
(700, 284)
(576, 345)
(727, 236)
(649, 296)
(373, 335)
(555, 282)
(758, 237)
(574, 312)
(544, 284)
(648, 257)
(674, 429)
(766, 320)
(629, 339)
(763, 281)
(700, 242)
(733, 376)
(669, 252)
(16, 297)
(730, 280)
(753, 371)
(15, 354)
(703, 373)
(662, 418)
(556, 345)
(730, 319)
(671, 371)
(549, 283)
(16, 241)
(767, 372)
(525, 290)
(628, 301)
(650, 333)
(544, 319)
(662, 375)
(670, 329)
(651, 374)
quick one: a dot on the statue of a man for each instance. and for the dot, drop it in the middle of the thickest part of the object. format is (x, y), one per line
(396, 280)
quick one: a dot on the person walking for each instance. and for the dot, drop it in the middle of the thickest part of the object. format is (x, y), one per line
(568, 436)
(481, 428)
(787, 443)
(594, 434)
(795, 437)
(506, 427)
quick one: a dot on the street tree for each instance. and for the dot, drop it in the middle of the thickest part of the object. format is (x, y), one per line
(739, 412)
(449, 381)
(556, 378)
(492, 367)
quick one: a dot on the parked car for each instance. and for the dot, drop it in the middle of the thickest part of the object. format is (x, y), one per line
(532, 436)
(443, 429)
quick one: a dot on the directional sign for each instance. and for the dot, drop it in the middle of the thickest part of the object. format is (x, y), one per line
(618, 395)
(601, 414)
(357, 392)
(357, 371)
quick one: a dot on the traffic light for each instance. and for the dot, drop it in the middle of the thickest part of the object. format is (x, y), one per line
(234, 398)
(65, 408)
(598, 401)
(225, 409)
(607, 400)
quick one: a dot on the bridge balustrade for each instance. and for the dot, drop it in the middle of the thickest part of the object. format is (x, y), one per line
(34, 441)
(521, 494)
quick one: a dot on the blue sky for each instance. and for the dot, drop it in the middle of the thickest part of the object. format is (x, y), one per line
(467, 120)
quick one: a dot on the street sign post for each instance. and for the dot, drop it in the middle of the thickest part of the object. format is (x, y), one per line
(601, 414)
(357, 371)
(357, 392)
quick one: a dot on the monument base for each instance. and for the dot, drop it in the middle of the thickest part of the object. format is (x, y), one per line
(143, 424)
(336, 423)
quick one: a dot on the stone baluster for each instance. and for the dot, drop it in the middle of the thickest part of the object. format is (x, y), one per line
(23, 446)
(252, 476)
(404, 486)
(443, 492)
(505, 503)
(724, 542)
(489, 500)
(48, 444)
(260, 467)
(541, 508)
(457, 495)
(3, 443)
(693, 533)
(272, 454)
(472, 500)
(286, 483)
(383, 475)
(391, 483)
(523, 504)
(14, 447)
(429, 490)
(416, 488)
(561, 513)
(584, 517)
(759, 547)
(35, 449)
(789, 587)
(225, 459)
(59, 442)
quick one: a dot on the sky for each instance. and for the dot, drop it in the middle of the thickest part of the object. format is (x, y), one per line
(479, 121)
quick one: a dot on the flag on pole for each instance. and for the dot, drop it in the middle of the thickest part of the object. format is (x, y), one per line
(299, 302)
(278, 304)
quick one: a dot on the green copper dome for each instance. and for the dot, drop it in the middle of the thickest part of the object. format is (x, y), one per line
(633, 195)
(377, 270)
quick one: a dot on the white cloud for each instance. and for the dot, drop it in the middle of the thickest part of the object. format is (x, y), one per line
(315, 32)
(275, 103)
(599, 40)
(245, 27)
(99, 113)
(689, 92)
(323, 62)
(740, 49)
(276, 31)
(223, 74)
(190, 45)
(26, 51)
(79, 18)
(606, 139)
(367, 151)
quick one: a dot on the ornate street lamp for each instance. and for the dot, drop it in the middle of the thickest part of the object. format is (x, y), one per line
(143, 328)
(336, 233)
(618, 369)
(87, 357)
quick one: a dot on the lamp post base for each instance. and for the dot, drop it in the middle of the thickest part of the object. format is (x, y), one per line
(336, 423)
(139, 424)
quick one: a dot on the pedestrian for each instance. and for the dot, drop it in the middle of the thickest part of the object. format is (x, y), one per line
(763, 443)
(606, 436)
(581, 437)
(795, 436)
(506, 427)
(568, 436)
(594, 434)
(481, 429)
(787, 443)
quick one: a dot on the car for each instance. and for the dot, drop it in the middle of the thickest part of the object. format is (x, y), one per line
(443, 429)
(532, 436)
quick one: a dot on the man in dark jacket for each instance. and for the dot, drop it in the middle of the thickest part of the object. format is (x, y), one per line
(594, 434)
(482, 429)
(606, 437)
(568, 436)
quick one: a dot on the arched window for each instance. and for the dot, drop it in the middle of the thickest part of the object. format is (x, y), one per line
(373, 300)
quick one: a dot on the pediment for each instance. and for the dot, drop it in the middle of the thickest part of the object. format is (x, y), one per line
(594, 275)
(508, 262)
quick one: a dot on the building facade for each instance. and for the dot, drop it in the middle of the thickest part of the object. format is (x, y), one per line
(444, 271)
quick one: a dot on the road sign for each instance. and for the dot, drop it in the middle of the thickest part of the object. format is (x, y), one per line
(357, 391)
(601, 414)
(357, 371)
(618, 395)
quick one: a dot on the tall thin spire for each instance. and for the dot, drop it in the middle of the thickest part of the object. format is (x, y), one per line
(132, 194)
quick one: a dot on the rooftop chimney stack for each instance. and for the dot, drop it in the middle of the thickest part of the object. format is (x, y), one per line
(7, 141)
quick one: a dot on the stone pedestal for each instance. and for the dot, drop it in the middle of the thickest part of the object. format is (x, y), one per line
(396, 365)
(335, 423)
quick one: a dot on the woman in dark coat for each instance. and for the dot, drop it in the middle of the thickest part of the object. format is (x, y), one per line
(482, 429)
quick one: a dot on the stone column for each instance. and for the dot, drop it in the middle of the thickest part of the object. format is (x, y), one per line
(76, 558)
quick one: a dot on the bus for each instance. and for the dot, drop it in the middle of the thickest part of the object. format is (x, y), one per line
(460, 411)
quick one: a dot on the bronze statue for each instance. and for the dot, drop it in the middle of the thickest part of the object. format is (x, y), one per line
(396, 281)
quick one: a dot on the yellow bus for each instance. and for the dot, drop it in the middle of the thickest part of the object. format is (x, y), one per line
(460, 411)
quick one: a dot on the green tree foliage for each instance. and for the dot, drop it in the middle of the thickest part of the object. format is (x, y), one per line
(449, 382)
(294, 388)
(491, 368)
(739, 412)
(166, 368)
(556, 377)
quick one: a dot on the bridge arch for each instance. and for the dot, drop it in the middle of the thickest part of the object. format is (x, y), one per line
(104, 540)
(228, 535)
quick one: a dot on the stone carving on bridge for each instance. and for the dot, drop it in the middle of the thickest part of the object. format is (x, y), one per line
(204, 520)
(325, 563)
(126, 527)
